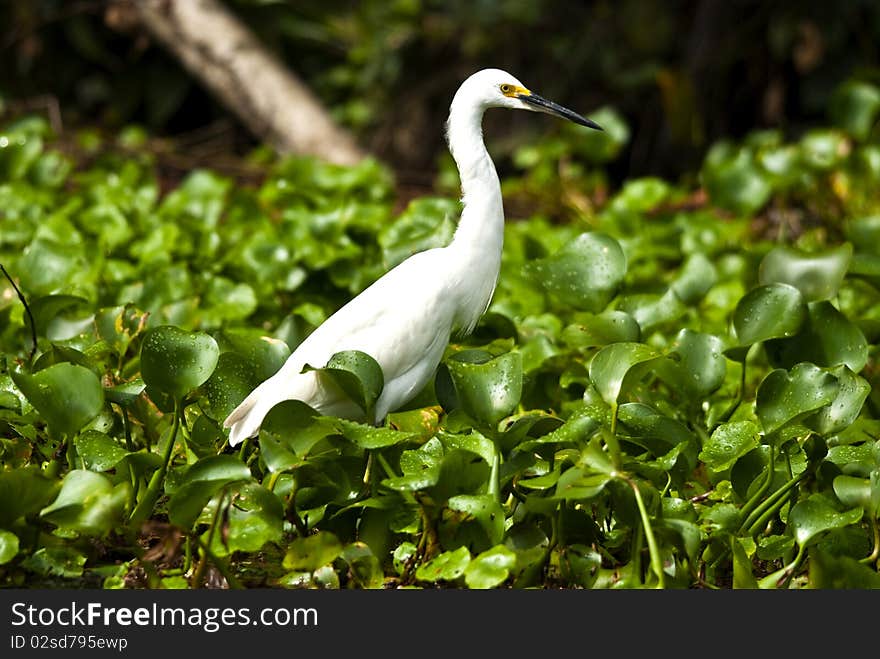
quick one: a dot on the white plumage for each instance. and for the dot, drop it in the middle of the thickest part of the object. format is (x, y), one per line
(404, 320)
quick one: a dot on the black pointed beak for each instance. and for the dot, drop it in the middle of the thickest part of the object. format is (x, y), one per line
(543, 105)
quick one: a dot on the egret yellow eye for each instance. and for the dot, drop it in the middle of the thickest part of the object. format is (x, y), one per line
(506, 89)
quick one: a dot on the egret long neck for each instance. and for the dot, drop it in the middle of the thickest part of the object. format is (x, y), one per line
(479, 237)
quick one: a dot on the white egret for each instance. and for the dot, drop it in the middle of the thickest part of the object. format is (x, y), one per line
(405, 319)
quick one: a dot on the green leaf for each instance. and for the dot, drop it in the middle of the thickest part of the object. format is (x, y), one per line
(175, 361)
(255, 518)
(489, 391)
(610, 326)
(262, 353)
(695, 279)
(490, 569)
(768, 312)
(484, 510)
(817, 276)
(737, 183)
(619, 365)
(65, 562)
(840, 572)
(785, 396)
(370, 437)
(8, 546)
(728, 443)
(843, 410)
(814, 516)
(200, 483)
(23, 491)
(312, 552)
(700, 367)
(231, 381)
(864, 492)
(364, 567)
(854, 108)
(99, 451)
(67, 395)
(585, 274)
(448, 566)
(358, 375)
(88, 503)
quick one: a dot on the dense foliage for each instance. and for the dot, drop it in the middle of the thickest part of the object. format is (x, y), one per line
(675, 386)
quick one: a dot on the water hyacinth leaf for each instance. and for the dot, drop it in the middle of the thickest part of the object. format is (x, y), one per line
(99, 451)
(264, 354)
(855, 491)
(490, 568)
(255, 518)
(728, 443)
(312, 552)
(743, 576)
(768, 312)
(65, 562)
(370, 437)
(358, 375)
(736, 183)
(125, 394)
(24, 491)
(785, 396)
(615, 366)
(175, 362)
(840, 572)
(842, 411)
(230, 382)
(586, 273)
(578, 484)
(200, 482)
(45, 309)
(823, 148)
(364, 567)
(474, 442)
(67, 395)
(489, 391)
(814, 516)
(827, 338)
(817, 276)
(696, 277)
(88, 503)
(699, 365)
(610, 326)
(854, 108)
(485, 510)
(8, 546)
(651, 311)
(447, 566)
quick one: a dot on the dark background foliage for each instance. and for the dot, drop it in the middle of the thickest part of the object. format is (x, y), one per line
(684, 73)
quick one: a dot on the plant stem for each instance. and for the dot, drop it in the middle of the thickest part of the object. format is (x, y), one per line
(653, 549)
(874, 554)
(145, 505)
(769, 506)
(611, 439)
(753, 501)
(27, 311)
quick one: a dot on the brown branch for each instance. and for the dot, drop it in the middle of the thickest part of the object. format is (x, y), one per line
(228, 59)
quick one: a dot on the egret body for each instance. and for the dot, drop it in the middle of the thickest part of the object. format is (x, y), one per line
(405, 319)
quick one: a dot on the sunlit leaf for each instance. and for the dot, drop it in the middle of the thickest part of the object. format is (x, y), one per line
(67, 395)
(175, 361)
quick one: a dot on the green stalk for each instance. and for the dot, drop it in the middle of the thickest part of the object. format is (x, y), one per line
(146, 504)
(653, 549)
(495, 475)
(750, 505)
(770, 506)
(874, 554)
(611, 439)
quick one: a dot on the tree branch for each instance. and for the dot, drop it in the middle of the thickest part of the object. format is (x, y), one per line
(228, 59)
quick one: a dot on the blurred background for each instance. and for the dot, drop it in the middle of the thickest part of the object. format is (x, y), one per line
(680, 74)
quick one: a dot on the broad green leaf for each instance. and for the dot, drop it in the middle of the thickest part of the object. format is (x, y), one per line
(45, 309)
(264, 354)
(586, 273)
(312, 552)
(840, 572)
(489, 391)
(231, 381)
(698, 365)
(490, 568)
(24, 491)
(448, 566)
(653, 311)
(827, 338)
(610, 326)
(843, 410)
(729, 442)
(577, 484)
(364, 567)
(485, 510)
(811, 517)
(255, 517)
(818, 276)
(854, 108)
(768, 312)
(358, 375)
(696, 277)
(618, 365)
(823, 148)
(864, 492)
(65, 562)
(99, 451)
(88, 503)
(743, 576)
(200, 483)
(175, 361)
(784, 396)
(125, 394)
(8, 546)
(370, 437)
(67, 395)
(737, 183)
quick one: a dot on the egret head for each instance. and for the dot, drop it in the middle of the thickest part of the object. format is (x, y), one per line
(494, 88)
